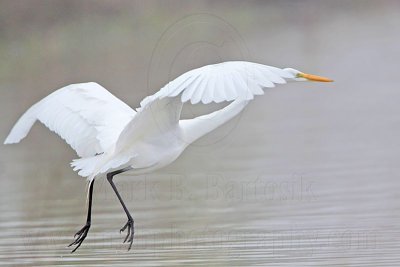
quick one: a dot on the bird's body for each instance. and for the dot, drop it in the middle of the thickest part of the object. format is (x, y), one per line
(110, 137)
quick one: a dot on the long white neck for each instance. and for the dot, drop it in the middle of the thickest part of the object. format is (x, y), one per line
(195, 128)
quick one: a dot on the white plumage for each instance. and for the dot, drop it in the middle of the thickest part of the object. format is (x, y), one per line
(87, 116)
(107, 134)
(110, 137)
(223, 82)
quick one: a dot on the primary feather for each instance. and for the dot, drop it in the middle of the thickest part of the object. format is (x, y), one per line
(87, 116)
(222, 82)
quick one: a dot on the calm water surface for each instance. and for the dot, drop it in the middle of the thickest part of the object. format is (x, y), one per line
(294, 203)
(309, 175)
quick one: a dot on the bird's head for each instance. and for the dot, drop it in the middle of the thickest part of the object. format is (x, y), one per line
(301, 76)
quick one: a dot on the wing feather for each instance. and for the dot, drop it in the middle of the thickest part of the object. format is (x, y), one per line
(85, 115)
(207, 96)
(219, 93)
(197, 94)
(222, 82)
(191, 88)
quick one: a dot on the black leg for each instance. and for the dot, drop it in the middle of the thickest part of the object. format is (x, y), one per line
(81, 234)
(130, 222)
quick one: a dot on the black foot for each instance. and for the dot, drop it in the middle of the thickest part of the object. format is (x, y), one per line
(131, 232)
(81, 236)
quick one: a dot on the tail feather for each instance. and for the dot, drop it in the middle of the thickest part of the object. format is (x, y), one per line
(87, 166)
(92, 166)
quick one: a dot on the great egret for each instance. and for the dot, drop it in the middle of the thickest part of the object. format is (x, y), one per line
(110, 137)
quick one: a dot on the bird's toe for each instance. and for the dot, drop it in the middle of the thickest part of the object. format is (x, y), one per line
(80, 237)
(131, 232)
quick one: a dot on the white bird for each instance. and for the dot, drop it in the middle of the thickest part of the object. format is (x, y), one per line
(110, 137)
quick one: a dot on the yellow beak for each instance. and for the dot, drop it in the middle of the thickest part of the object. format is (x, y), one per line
(312, 77)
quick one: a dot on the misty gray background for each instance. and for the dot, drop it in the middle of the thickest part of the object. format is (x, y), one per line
(308, 175)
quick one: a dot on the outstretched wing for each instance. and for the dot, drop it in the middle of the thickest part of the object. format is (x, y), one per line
(160, 112)
(226, 81)
(87, 116)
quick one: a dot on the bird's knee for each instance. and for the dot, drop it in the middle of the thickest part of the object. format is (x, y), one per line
(109, 176)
